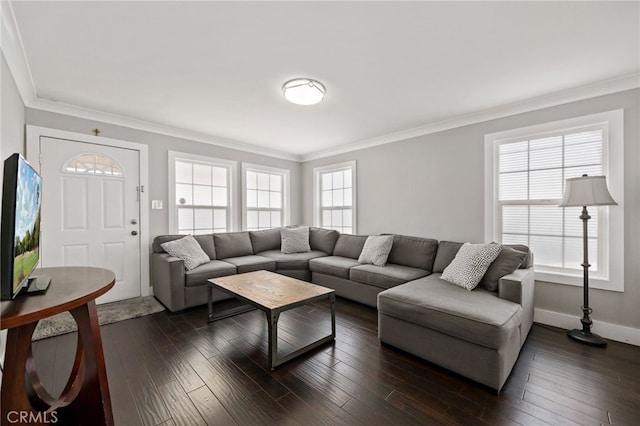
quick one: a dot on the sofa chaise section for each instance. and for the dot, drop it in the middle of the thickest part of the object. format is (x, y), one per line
(477, 334)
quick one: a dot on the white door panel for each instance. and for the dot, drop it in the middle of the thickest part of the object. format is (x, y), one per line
(91, 211)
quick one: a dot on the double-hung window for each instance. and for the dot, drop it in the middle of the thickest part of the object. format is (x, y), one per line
(335, 197)
(266, 197)
(201, 194)
(529, 168)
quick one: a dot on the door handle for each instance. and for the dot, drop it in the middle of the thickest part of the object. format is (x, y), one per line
(134, 233)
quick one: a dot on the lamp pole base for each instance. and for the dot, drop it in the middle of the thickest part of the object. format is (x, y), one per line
(587, 338)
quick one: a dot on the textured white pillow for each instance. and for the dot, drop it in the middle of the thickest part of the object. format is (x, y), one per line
(295, 239)
(188, 250)
(470, 264)
(376, 250)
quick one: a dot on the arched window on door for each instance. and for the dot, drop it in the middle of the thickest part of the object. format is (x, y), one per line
(92, 163)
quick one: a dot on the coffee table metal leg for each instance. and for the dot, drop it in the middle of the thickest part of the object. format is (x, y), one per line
(209, 300)
(332, 301)
(272, 320)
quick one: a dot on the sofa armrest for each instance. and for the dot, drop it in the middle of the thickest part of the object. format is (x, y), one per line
(168, 280)
(518, 287)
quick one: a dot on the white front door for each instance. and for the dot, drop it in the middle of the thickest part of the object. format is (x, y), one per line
(91, 210)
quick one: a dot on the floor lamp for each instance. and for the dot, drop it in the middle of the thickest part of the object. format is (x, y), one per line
(586, 191)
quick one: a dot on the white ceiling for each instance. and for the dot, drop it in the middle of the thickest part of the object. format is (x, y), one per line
(217, 68)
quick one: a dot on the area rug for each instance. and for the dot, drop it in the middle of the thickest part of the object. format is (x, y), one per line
(107, 314)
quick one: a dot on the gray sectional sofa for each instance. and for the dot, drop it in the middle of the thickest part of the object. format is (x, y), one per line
(477, 334)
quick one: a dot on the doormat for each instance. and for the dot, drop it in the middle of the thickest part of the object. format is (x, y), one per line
(108, 313)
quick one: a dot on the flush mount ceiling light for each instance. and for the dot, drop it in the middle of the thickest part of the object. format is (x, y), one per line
(303, 91)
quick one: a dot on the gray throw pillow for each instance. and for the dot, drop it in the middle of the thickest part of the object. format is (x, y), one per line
(376, 250)
(188, 250)
(507, 261)
(470, 264)
(295, 240)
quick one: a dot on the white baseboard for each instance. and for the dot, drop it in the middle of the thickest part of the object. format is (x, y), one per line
(619, 333)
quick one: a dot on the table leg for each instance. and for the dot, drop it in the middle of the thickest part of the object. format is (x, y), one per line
(85, 398)
(272, 321)
(332, 301)
(14, 384)
(92, 405)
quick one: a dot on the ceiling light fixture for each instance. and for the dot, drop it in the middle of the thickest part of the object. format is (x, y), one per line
(303, 91)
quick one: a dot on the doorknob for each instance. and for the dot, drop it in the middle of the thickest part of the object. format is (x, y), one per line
(134, 233)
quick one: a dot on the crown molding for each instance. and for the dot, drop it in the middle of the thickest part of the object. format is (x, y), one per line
(618, 84)
(13, 51)
(147, 126)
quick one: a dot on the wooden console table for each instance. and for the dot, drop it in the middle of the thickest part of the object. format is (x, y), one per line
(85, 399)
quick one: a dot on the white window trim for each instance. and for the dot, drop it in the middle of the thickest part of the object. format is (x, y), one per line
(286, 198)
(316, 191)
(612, 167)
(232, 178)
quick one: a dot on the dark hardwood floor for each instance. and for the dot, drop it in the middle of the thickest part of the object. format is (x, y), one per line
(169, 369)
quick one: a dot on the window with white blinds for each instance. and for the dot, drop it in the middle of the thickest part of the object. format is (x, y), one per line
(266, 195)
(202, 194)
(335, 197)
(531, 179)
(526, 171)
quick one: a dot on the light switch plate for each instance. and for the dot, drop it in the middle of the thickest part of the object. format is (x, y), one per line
(156, 204)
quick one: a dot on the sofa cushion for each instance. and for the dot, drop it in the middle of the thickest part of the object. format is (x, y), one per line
(252, 263)
(413, 251)
(232, 244)
(295, 239)
(187, 249)
(507, 261)
(447, 250)
(292, 260)
(213, 269)
(269, 239)
(323, 239)
(470, 264)
(477, 316)
(336, 266)
(376, 250)
(205, 241)
(349, 245)
(528, 260)
(386, 276)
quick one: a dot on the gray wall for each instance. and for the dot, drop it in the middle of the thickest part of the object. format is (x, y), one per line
(159, 145)
(11, 136)
(12, 120)
(433, 186)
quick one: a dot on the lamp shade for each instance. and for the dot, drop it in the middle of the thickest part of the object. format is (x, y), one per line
(587, 191)
(303, 91)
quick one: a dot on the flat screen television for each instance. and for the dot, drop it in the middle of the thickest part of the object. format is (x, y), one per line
(20, 229)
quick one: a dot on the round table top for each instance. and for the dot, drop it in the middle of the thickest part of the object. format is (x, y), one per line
(71, 287)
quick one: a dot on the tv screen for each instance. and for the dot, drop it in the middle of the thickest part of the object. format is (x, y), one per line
(21, 208)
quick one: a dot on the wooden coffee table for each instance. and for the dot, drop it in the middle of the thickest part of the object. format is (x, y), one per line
(273, 294)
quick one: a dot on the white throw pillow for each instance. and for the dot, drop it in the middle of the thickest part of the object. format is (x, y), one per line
(376, 250)
(470, 264)
(295, 239)
(188, 250)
